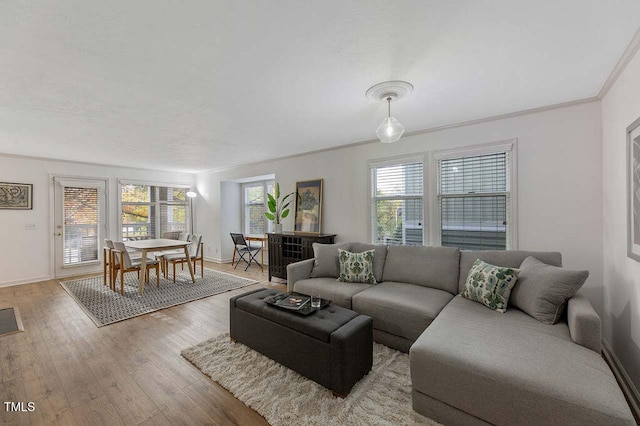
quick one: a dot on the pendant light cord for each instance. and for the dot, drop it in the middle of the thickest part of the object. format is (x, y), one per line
(389, 105)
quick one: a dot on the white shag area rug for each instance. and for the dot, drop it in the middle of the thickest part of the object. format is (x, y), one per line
(283, 397)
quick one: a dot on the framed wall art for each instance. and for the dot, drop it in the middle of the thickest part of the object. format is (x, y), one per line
(633, 190)
(309, 207)
(16, 196)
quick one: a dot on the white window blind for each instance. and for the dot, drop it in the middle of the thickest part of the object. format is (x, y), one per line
(81, 220)
(397, 203)
(474, 199)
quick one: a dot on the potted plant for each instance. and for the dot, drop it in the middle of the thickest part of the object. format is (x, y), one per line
(278, 208)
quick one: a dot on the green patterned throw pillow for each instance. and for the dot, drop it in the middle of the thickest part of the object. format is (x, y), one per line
(490, 285)
(356, 267)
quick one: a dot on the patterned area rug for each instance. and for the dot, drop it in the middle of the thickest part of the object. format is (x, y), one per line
(105, 306)
(284, 397)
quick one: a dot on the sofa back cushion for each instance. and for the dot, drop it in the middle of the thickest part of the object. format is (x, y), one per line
(435, 267)
(506, 258)
(326, 260)
(379, 256)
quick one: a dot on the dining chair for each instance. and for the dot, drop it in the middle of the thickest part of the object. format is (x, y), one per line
(123, 262)
(107, 261)
(195, 250)
(243, 248)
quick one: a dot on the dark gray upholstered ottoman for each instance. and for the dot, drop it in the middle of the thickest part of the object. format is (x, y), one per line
(333, 346)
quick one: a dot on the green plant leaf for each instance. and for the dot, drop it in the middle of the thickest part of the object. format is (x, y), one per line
(277, 190)
(286, 196)
(286, 205)
(269, 216)
(285, 213)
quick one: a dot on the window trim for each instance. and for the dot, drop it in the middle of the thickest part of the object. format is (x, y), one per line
(396, 160)
(510, 146)
(120, 182)
(243, 205)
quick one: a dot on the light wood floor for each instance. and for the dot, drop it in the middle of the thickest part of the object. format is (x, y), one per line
(128, 373)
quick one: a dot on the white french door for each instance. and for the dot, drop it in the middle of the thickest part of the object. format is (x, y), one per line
(79, 225)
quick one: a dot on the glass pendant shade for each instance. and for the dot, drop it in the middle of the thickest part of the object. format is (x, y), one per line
(390, 130)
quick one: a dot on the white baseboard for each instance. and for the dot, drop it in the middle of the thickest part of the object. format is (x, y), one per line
(628, 388)
(31, 280)
(217, 260)
(226, 260)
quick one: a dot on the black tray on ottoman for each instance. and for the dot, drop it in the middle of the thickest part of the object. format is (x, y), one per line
(333, 346)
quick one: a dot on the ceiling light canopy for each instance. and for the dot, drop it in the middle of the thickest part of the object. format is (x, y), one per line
(390, 130)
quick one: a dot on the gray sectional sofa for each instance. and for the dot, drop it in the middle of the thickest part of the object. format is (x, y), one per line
(470, 364)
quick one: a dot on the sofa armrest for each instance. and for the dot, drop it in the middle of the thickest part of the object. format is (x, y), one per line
(584, 323)
(298, 271)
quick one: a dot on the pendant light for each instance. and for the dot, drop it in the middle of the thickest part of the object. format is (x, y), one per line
(390, 130)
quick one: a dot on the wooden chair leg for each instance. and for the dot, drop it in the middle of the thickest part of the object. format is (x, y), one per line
(121, 280)
(158, 274)
(233, 259)
(174, 271)
(202, 265)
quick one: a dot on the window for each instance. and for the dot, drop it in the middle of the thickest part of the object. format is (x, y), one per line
(152, 211)
(397, 190)
(255, 204)
(81, 224)
(474, 199)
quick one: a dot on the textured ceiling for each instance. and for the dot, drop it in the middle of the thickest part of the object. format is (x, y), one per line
(200, 85)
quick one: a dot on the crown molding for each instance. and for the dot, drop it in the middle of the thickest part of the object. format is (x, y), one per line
(624, 60)
(414, 133)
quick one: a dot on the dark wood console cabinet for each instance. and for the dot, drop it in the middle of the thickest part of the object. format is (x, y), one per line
(290, 247)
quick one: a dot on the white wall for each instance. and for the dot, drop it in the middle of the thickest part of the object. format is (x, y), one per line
(230, 217)
(620, 107)
(25, 255)
(559, 183)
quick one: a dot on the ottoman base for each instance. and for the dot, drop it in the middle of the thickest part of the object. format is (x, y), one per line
(337, 364)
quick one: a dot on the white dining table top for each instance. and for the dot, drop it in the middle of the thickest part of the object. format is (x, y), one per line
(156, 244)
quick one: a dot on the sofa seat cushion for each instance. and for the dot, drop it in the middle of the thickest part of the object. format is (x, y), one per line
(328, 288)
(401, 309)
(510, 369)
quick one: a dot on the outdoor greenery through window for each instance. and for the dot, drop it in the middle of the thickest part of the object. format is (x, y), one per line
(255, 204)
(397, 203)
(153, 211)
(474, 199)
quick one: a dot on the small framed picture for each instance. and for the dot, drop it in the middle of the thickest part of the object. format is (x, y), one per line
(309, 206)
(16, 196)
(633, 190)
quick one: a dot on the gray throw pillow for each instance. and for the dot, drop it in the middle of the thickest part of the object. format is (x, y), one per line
(326, 260)
(542, 290)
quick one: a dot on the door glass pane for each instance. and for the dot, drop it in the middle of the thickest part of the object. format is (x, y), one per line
(80, 225)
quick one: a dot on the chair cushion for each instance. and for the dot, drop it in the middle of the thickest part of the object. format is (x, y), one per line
(401, 309)
(379, 256)
(356, 267)
(490, 285)
(326, 259)
(506, 258)
(328, 288)
(435, 267)
(542, 290)
(512, 369)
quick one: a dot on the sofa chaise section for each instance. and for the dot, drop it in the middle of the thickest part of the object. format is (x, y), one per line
(476, 366)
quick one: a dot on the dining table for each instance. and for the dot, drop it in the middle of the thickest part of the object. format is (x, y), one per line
(154, 245)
